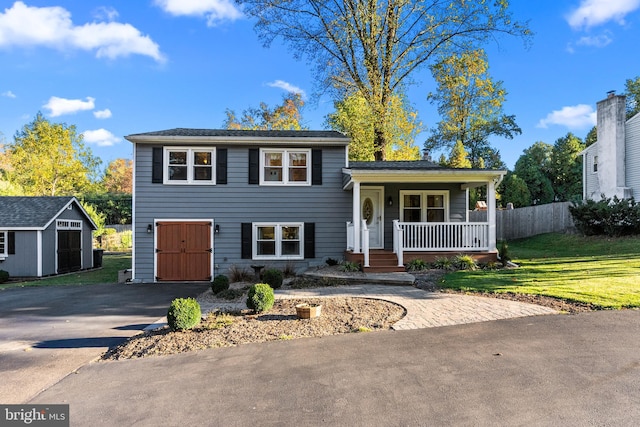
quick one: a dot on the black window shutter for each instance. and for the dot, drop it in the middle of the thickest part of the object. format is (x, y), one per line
(316, 167)
(246, 240)
(309, 240)
(254, 166)
(221, 166)
(157, 166)
(11, 243)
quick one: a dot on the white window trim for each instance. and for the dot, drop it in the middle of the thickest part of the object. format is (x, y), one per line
(190, 166)
(285, 166)
(5, 249)
(423, 202)
(278, 240)
(68, 224)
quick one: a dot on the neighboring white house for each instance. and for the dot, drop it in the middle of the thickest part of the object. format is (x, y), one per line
(611, 166)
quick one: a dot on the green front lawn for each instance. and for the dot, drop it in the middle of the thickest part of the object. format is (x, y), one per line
(111, 264)
(601, 271)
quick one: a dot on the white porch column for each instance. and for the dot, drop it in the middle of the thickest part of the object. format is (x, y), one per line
(491, 213)
(356, 218)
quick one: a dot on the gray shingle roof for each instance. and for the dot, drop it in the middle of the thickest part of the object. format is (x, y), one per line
(30, 212)
(395, 165)
(244, 133)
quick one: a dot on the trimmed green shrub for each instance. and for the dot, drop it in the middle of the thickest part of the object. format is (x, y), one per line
(220, 283)
(4, 276)
(184, 313)
(331, 262)
(417, 265)
(230, 294)
(272, 277)
(260, 297)
(465, 262)
(612, 217)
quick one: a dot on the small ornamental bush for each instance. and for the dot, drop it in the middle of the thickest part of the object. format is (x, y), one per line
(503, 252)
(184, 313)
(4, 276)
(465, 262)
(443, 263)
(612, 217)
(260, 297)
(349, 266)
(417, 265)
(220, 283)
(331, 262)
(272, 277)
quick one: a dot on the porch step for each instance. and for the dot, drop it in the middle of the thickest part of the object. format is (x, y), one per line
(383, 262)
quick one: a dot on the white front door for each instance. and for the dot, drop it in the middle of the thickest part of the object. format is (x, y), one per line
(371, 210)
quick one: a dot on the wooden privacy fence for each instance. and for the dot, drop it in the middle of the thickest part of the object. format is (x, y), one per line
(530, 221)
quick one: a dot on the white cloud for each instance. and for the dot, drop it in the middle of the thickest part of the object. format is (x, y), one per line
(102, 114)
(52, 27)
(287, 87)
(214, 11)
(595, 41)
(8, 94)
(60, 106)
(100, 137)
(592, 13)
(105, 13)
(573, 117)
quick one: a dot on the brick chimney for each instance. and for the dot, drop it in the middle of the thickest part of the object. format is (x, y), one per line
(611, 117)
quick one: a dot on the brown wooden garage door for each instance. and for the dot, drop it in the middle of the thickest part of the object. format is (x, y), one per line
(183, 251)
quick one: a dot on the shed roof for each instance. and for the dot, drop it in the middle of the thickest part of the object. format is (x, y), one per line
(34, 212)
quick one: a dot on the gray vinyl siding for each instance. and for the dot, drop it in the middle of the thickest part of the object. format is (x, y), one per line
(633, 155)
(22, 264)
(591, 184)
(457, 204)
(229, 205)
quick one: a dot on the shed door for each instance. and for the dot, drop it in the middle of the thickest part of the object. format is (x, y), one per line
(69, 251)
(183, 251)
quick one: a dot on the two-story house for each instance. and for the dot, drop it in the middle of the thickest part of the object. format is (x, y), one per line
(206, 200)
(611, 165)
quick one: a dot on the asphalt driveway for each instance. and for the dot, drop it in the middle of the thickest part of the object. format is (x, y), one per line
(47, 332)
(576, 370)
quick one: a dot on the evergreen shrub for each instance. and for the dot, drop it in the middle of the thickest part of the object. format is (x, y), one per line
(272, 277)
(260, 297)
(184, 313)
(220, 283)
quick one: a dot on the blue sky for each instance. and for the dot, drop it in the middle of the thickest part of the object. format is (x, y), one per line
(118, 67)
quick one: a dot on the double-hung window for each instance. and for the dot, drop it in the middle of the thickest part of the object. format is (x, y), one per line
(285, 167)
(278, 241)
(424, 206)
(4, 244)
(189, 166)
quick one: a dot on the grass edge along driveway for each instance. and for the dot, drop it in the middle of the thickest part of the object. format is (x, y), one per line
(601, 271)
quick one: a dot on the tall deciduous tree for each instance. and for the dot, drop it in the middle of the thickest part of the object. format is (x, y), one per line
(533, 167)
(354, 117)
(287, 116)
(118, 177)
(565, 168)
(470, 105)
(374, 47)
(514, 190)
(50, 159)
(459, 158)
(592, 137)
(632, 91)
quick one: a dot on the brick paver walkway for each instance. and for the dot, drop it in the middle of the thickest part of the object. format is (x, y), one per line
(428, 309)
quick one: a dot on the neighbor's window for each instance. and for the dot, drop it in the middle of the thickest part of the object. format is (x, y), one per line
(282, 241)
(291, 167)
(189, 166)
(3, 244)
(595, 163)
(424, 206)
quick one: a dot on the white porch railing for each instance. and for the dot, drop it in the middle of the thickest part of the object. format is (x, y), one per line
(364, 239)
(441, 236)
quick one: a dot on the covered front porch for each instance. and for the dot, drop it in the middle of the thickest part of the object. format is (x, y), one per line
(416, 209)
